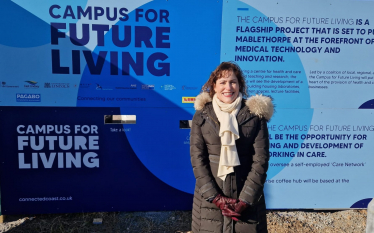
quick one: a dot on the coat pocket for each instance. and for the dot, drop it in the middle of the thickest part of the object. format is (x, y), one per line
(248, 129)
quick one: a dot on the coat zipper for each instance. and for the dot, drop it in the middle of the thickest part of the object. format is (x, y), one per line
(212, 119)
(232, 196)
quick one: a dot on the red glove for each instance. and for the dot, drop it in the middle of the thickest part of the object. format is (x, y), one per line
(239, 208)
(226, 205)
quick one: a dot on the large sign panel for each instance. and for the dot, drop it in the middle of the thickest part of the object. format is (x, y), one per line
(61, 62)
(315, 58)
(68, 67)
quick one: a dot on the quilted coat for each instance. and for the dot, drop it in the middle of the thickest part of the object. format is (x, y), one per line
(247, 181)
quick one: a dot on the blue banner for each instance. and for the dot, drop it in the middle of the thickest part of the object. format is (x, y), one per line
(68, 65)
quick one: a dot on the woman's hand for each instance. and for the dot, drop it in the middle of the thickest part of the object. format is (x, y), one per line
(227, 205)
(239, 208)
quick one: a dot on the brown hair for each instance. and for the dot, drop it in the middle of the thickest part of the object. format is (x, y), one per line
(218, 73)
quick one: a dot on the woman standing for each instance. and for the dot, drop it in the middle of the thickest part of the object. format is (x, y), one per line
(229, 149)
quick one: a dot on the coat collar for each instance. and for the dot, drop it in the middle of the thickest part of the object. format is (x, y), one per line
(259, 105)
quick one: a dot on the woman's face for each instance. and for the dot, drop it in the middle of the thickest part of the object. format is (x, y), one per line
(227, 87)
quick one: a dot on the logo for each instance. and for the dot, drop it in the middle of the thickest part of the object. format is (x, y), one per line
(168, 87)
(132, 86)
(85, 85)
(148, 87)
(24, 97)
(32, 84)
(100, 88)
(188, 100)
(56, 85)
(186, 88)
(3, 84)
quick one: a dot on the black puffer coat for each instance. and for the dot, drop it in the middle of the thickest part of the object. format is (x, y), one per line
(247, 182)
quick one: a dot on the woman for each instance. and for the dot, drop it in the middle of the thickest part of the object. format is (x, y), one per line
(229, 148)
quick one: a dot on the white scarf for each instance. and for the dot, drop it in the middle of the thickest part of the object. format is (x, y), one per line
(229, 132)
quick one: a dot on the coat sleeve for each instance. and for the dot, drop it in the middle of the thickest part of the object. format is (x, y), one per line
(205, 181)
(253, 187)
